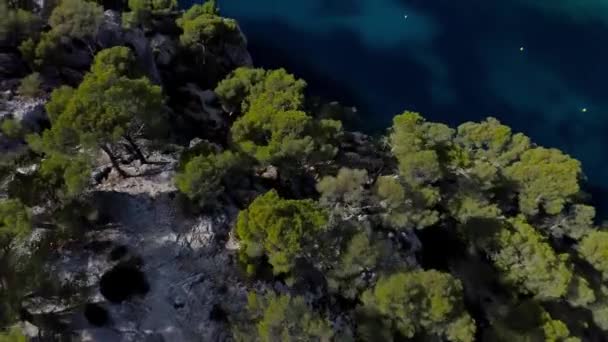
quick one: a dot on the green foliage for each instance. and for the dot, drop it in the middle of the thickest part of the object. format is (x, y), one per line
(557, 331)
(152, 5)
(594, 249)
(421, 301)
(279, 228)
(106, 106)
(464, 206)
(416, 145)
(60, 98)
(70, 175)
(209, 7)
(119, 60)
(76, 18)
(574, 222)
(580, 293)
(14, 221)
(545, 178)
(362, 254)
(528, 321)
(525, 258)
(285, 318)
(345, 187)
(280, 136)
(202, 178)
(278, 91)
(600, 315)
(238, 86)
(12, 335)
(17, 24)
(102, 109)
(406, 210)
(142, 11)
(46, 50)
(201, 24)
(490, 140)
(11, 128)
(274, 129)
(30, 85)
(28, 50)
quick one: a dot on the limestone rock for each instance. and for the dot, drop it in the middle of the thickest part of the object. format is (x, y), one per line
(29, 112)
(270, 172)
(164, 48)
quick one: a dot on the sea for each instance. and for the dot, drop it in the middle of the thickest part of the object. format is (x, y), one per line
(539, 66)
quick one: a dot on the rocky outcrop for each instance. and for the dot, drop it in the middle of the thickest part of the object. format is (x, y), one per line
(146, 271)
(28, 111)
(360, 151)
(137, 40)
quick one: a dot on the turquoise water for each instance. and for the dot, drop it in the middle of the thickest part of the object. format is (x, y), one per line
(537, 65)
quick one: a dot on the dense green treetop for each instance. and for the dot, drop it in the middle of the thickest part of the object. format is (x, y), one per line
(238, 86)
(14, 221)
(76, 18)
(279, 228)
(203, 177)
(546, 178)
(421, 301)
(284, 318)
(142, 11)
(529, 262)
(70, 19)
(277, 89)
(60, 98)
(274, 129)
(154, 5)
(104, 107)
(416, 145)
(579, 220)
(491, 141)
(119, 60)
(406, 207)
(345, 187)
(357, 264)
(523, 255)
(201, 25)
(209, 7)
(594, 248)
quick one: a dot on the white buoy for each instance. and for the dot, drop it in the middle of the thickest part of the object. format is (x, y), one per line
(405, 16)
(584, 110)
(521, 49)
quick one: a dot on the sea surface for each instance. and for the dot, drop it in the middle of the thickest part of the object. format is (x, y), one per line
(540, 66)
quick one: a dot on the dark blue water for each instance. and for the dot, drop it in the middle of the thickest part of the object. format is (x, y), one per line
(453, 61)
